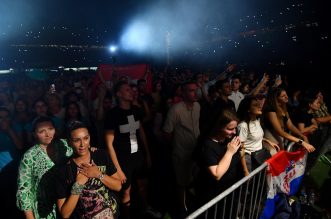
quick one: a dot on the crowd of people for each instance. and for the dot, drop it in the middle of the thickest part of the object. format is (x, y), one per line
(71, 150)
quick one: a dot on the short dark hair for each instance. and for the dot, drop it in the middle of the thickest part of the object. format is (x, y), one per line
(219, 84)
(73, 125)
(236, 76)
(118, 86)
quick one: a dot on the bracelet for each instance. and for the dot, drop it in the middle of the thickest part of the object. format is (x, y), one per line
(77, 188)
(101, 176)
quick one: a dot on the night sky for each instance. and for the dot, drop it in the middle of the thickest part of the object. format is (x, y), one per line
(204, 33)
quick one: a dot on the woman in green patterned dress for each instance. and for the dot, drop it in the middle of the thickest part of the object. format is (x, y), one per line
(36, 177)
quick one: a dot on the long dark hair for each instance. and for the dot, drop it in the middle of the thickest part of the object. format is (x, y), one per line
(243, 109)
(59, 153)
(66, 117)
(272, 101)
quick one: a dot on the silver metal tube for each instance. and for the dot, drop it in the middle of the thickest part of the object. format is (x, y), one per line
(226, 192)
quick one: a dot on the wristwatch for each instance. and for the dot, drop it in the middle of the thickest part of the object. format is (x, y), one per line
(101, 176)
(300, 142)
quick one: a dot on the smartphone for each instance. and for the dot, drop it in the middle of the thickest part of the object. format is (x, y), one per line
(237, 132)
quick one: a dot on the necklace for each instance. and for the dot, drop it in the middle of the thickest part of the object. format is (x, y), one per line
(79, 160)
(217, 141)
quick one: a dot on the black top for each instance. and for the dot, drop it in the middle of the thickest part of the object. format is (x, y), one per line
(212, 153)
(267, 123)
(125, 124)
(305, 117)
(96, 198)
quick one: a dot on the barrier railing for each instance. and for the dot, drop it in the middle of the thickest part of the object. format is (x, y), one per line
(254, 195)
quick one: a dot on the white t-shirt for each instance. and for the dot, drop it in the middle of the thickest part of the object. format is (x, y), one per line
(236, 97)
(252, 139)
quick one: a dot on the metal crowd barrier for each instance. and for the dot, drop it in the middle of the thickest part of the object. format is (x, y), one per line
(254, 196)
(249, 195)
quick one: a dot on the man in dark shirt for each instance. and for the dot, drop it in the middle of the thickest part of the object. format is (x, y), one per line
(125, 138)
(223, 88)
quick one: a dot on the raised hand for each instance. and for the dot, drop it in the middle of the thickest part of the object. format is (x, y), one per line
(265, 78)
(234, 145)
(278, 81)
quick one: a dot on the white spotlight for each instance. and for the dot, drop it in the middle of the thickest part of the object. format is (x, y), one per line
(113, 48)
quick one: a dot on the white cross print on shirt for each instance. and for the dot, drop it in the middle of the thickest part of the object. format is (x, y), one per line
(131, 128)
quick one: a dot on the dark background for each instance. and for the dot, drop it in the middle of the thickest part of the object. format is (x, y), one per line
(279, 37)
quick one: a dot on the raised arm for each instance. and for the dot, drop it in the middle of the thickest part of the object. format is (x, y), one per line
(260, 85)
(103, 81)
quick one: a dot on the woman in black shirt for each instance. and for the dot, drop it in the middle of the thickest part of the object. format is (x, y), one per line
(87, 183)
(220, 158)
(277, 122)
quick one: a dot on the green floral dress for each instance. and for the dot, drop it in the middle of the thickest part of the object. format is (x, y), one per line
(36, 179)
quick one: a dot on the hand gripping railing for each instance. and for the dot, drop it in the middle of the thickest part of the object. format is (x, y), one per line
(254, 196)
(241, 200)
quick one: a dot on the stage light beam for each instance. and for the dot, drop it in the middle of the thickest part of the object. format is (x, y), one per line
(137, 37)
(113, 49)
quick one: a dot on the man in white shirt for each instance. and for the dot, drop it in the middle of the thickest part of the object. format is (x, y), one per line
(236, 96)
(181, 128)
